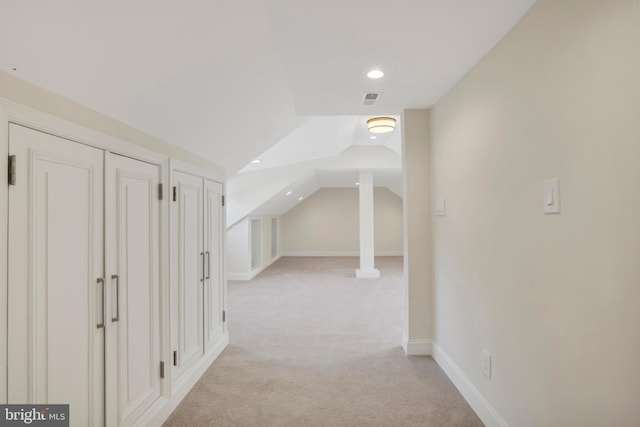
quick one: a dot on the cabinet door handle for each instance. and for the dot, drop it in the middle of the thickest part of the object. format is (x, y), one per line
(100, 281)
(115, 276)
(202, 277)
(208, 265)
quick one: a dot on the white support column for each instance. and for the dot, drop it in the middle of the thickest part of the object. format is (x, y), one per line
(367, 268)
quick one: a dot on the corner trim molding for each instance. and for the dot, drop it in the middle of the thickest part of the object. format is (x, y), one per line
(472, 395)
(412, 347)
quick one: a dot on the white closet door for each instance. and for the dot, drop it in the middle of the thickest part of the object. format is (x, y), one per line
(214, 279)
(187, 277)
(56, 350)
(133, 274)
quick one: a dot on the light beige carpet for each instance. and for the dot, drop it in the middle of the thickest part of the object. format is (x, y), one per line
(311, 345)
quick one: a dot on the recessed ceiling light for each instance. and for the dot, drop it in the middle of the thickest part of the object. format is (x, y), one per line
(256, 161)
(373, 137)
(375, 74)
(288, 193)
(357, 183)
(300, 198)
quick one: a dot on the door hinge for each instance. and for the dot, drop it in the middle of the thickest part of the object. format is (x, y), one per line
(160, 192)
(175, 358)
(223, 200)
(175, 194)
(224, 315)
(161, 369)
(12, 170)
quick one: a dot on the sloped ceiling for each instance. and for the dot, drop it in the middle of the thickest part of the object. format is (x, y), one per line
(227, 80)
(321, 137)
(265, 191)
(232, 81)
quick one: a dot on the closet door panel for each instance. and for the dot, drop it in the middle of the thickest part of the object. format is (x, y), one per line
(132, 266)
(214, 278)
(56, 350)
(187, 292)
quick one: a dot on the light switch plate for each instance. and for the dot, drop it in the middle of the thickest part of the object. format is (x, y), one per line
(441, 207)
(551, 200)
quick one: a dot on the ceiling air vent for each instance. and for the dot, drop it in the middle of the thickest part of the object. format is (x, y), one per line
(370, 98)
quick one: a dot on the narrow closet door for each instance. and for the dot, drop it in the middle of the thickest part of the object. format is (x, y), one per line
(55, 347)
(214, 279)
(187, 273)
(133, 275)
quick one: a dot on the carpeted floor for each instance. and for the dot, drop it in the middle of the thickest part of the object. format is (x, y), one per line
(311, 345)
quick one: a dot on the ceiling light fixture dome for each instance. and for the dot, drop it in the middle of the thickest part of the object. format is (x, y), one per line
(375, 74)
(381, 124)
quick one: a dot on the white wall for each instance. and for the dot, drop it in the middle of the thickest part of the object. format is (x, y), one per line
(238, 256)
(266, 258)
(554, 298)
(327, 223)
(387, 222)
(238, 260)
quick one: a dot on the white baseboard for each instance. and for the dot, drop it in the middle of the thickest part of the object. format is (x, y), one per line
(389, 253)
(321, 253)
(238, 276)
(252, 274)
(339, 254)
(472, 395)
(160, 412)
(367, 274)
(413, 347)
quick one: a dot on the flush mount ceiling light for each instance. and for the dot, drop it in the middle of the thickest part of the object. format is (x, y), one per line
(288, 193)
(381, 124)
(256, 161)
(375, 74)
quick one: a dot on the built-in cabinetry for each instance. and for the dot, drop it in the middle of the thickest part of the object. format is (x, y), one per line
(132, 266)
(57, 296)
(197, 294)
(84, 279)
(112, 287)
(214, 237)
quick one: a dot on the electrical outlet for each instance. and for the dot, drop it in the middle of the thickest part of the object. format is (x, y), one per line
(486, 363)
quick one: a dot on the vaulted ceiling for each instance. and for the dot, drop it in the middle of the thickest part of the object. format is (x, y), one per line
(229, 80)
